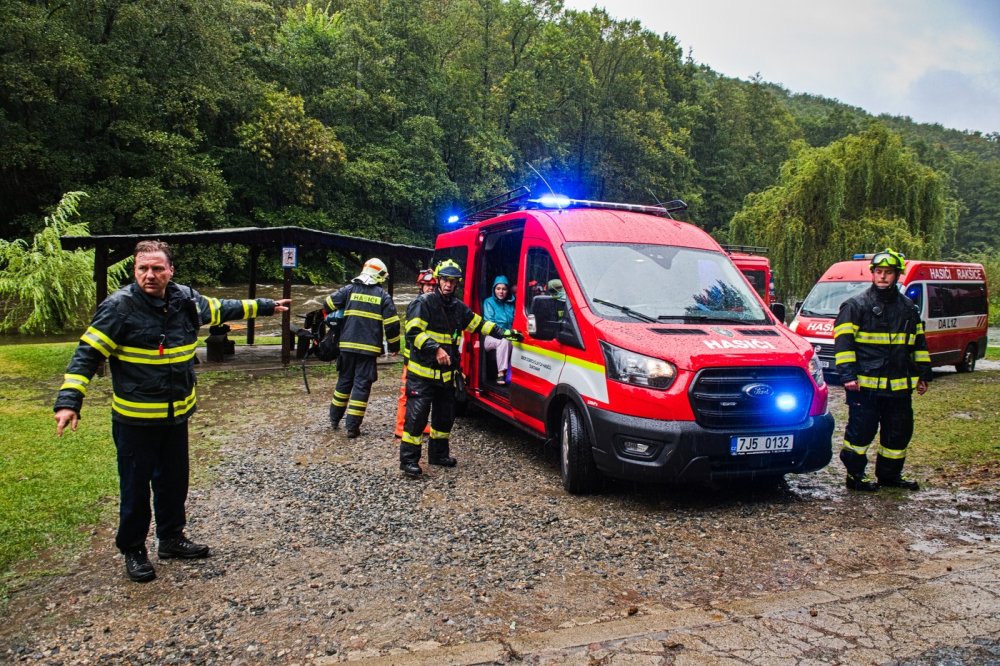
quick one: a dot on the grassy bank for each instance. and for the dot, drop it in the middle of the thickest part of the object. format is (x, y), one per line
(54, 491)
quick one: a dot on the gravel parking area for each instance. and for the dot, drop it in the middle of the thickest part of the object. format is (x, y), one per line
(323, 553)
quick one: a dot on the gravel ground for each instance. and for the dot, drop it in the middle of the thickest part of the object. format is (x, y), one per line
(323, 553)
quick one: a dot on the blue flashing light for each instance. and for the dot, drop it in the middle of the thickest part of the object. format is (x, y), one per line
(786, 402)
(554, 200)
(453, 219)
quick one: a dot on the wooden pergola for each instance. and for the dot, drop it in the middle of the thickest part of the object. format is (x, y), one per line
(113, 248)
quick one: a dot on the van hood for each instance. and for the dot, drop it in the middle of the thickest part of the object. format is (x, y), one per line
(697, 346)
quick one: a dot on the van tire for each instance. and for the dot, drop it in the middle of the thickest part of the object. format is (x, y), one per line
(576, 459)
(968, 363)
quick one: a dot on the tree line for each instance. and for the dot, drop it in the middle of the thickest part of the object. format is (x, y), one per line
(377, 118)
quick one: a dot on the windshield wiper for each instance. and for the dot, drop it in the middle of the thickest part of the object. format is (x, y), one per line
(627, 310)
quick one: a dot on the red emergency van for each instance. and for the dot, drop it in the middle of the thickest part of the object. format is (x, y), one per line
(951, 296)
(756, 268)
(655, 361)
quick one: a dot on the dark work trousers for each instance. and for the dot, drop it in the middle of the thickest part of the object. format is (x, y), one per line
(426, 398)
(357, 373)
(892, 417)
(150, 457)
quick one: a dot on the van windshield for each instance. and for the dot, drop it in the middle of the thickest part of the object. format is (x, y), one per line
(627, 282)
(825, 298)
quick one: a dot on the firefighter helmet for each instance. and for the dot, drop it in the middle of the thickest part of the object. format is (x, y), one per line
(889, 258)
(376, 270)
(449, 269)
(426, 276)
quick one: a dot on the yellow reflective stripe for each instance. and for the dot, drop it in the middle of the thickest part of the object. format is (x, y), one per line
(391, 340)
(489, 327)
(864, 337)
(339, 399)
(358, 346)
(391, 320)
(153, 356)
(922, 356)
(329, 304)
(249, 309)
(845, 357)
(439, 434)
(440, 338)
(474, 324)
(98, 341)
(846, 327)
(215, 311)
(354, 411)
(416, 322)
(920, 328)
(413, 440)
(357, 403)
(892, 454)
(872, 382)
(152, 410)
(421, 339)
(427, 373)
(366, 298)
(860, 450)
(362, 313)
(75, 382)
(903, 383)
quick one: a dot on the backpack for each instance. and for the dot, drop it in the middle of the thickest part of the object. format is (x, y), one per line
(328, 348)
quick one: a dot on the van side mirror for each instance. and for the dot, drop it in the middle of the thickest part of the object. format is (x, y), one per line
(545, 317)
(778, 310)
(798, 306)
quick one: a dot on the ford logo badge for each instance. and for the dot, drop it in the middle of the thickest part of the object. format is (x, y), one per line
(758, 390)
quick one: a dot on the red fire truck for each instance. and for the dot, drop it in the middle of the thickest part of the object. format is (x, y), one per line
(655, 361)
(755, 267)
(951, 296)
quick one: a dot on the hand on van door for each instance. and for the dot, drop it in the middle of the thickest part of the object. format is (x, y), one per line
(511, 334)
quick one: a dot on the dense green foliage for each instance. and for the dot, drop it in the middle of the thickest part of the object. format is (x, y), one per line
(377, 117)
(44, 289)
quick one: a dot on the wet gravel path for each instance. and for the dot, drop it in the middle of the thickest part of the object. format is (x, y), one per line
(322, 552)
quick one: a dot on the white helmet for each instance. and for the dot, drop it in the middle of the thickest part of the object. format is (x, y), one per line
(373, 272)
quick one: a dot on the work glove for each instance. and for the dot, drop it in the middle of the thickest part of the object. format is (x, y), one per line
(511, 334)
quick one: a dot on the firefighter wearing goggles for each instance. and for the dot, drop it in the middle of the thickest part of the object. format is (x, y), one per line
(882, 357)
(435, 322)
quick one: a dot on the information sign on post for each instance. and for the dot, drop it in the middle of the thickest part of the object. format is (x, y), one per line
(289, 257)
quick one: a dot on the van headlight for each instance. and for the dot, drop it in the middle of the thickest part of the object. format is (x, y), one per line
(816, 371)
(629, 367)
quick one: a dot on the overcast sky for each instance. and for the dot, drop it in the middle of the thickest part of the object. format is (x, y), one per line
(936, 61)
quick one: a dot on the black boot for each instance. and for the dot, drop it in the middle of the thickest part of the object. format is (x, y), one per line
(899, 482)
(336, 413)
(180, 547)
(861, 483)
(137, 566)
(353, 426)
(437, 453)
(409, 459)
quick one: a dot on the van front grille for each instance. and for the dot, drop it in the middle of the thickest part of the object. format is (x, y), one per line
(750, 398)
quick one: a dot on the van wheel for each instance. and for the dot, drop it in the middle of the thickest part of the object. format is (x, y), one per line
(576, 461)
(968, 363)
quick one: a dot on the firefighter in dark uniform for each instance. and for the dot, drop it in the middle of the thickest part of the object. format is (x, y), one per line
(434, 325)
(148, 332)
(882, 357)
(368, 314)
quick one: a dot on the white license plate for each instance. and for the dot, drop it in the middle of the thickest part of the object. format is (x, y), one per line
(824, 364)
(741, 446)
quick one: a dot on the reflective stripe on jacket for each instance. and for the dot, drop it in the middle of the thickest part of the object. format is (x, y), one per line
(432, 324)
(149, 344)
(880, 343)
(369, 313)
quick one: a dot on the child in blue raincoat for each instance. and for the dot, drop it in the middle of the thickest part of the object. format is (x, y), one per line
(499, 308)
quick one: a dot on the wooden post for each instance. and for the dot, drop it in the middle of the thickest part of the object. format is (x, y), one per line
(100, 273)
(252, 292)
(286, 321)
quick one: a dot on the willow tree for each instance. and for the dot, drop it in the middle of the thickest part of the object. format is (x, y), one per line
(43, 288)
(859, 194)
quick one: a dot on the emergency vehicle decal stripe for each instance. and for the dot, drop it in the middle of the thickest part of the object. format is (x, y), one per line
(589, 379)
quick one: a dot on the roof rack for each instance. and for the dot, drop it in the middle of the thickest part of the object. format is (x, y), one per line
(517, 199)
(748, 249)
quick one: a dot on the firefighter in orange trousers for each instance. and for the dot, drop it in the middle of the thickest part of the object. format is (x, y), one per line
(425, 284)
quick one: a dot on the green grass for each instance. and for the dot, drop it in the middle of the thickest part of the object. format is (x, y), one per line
(993, 353)
(50, 488)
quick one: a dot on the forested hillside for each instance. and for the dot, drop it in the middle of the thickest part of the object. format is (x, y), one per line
(378, 117)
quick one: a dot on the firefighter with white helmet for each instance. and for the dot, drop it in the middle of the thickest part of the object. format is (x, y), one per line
(369, 316)
(882, 357)
(434, 325)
